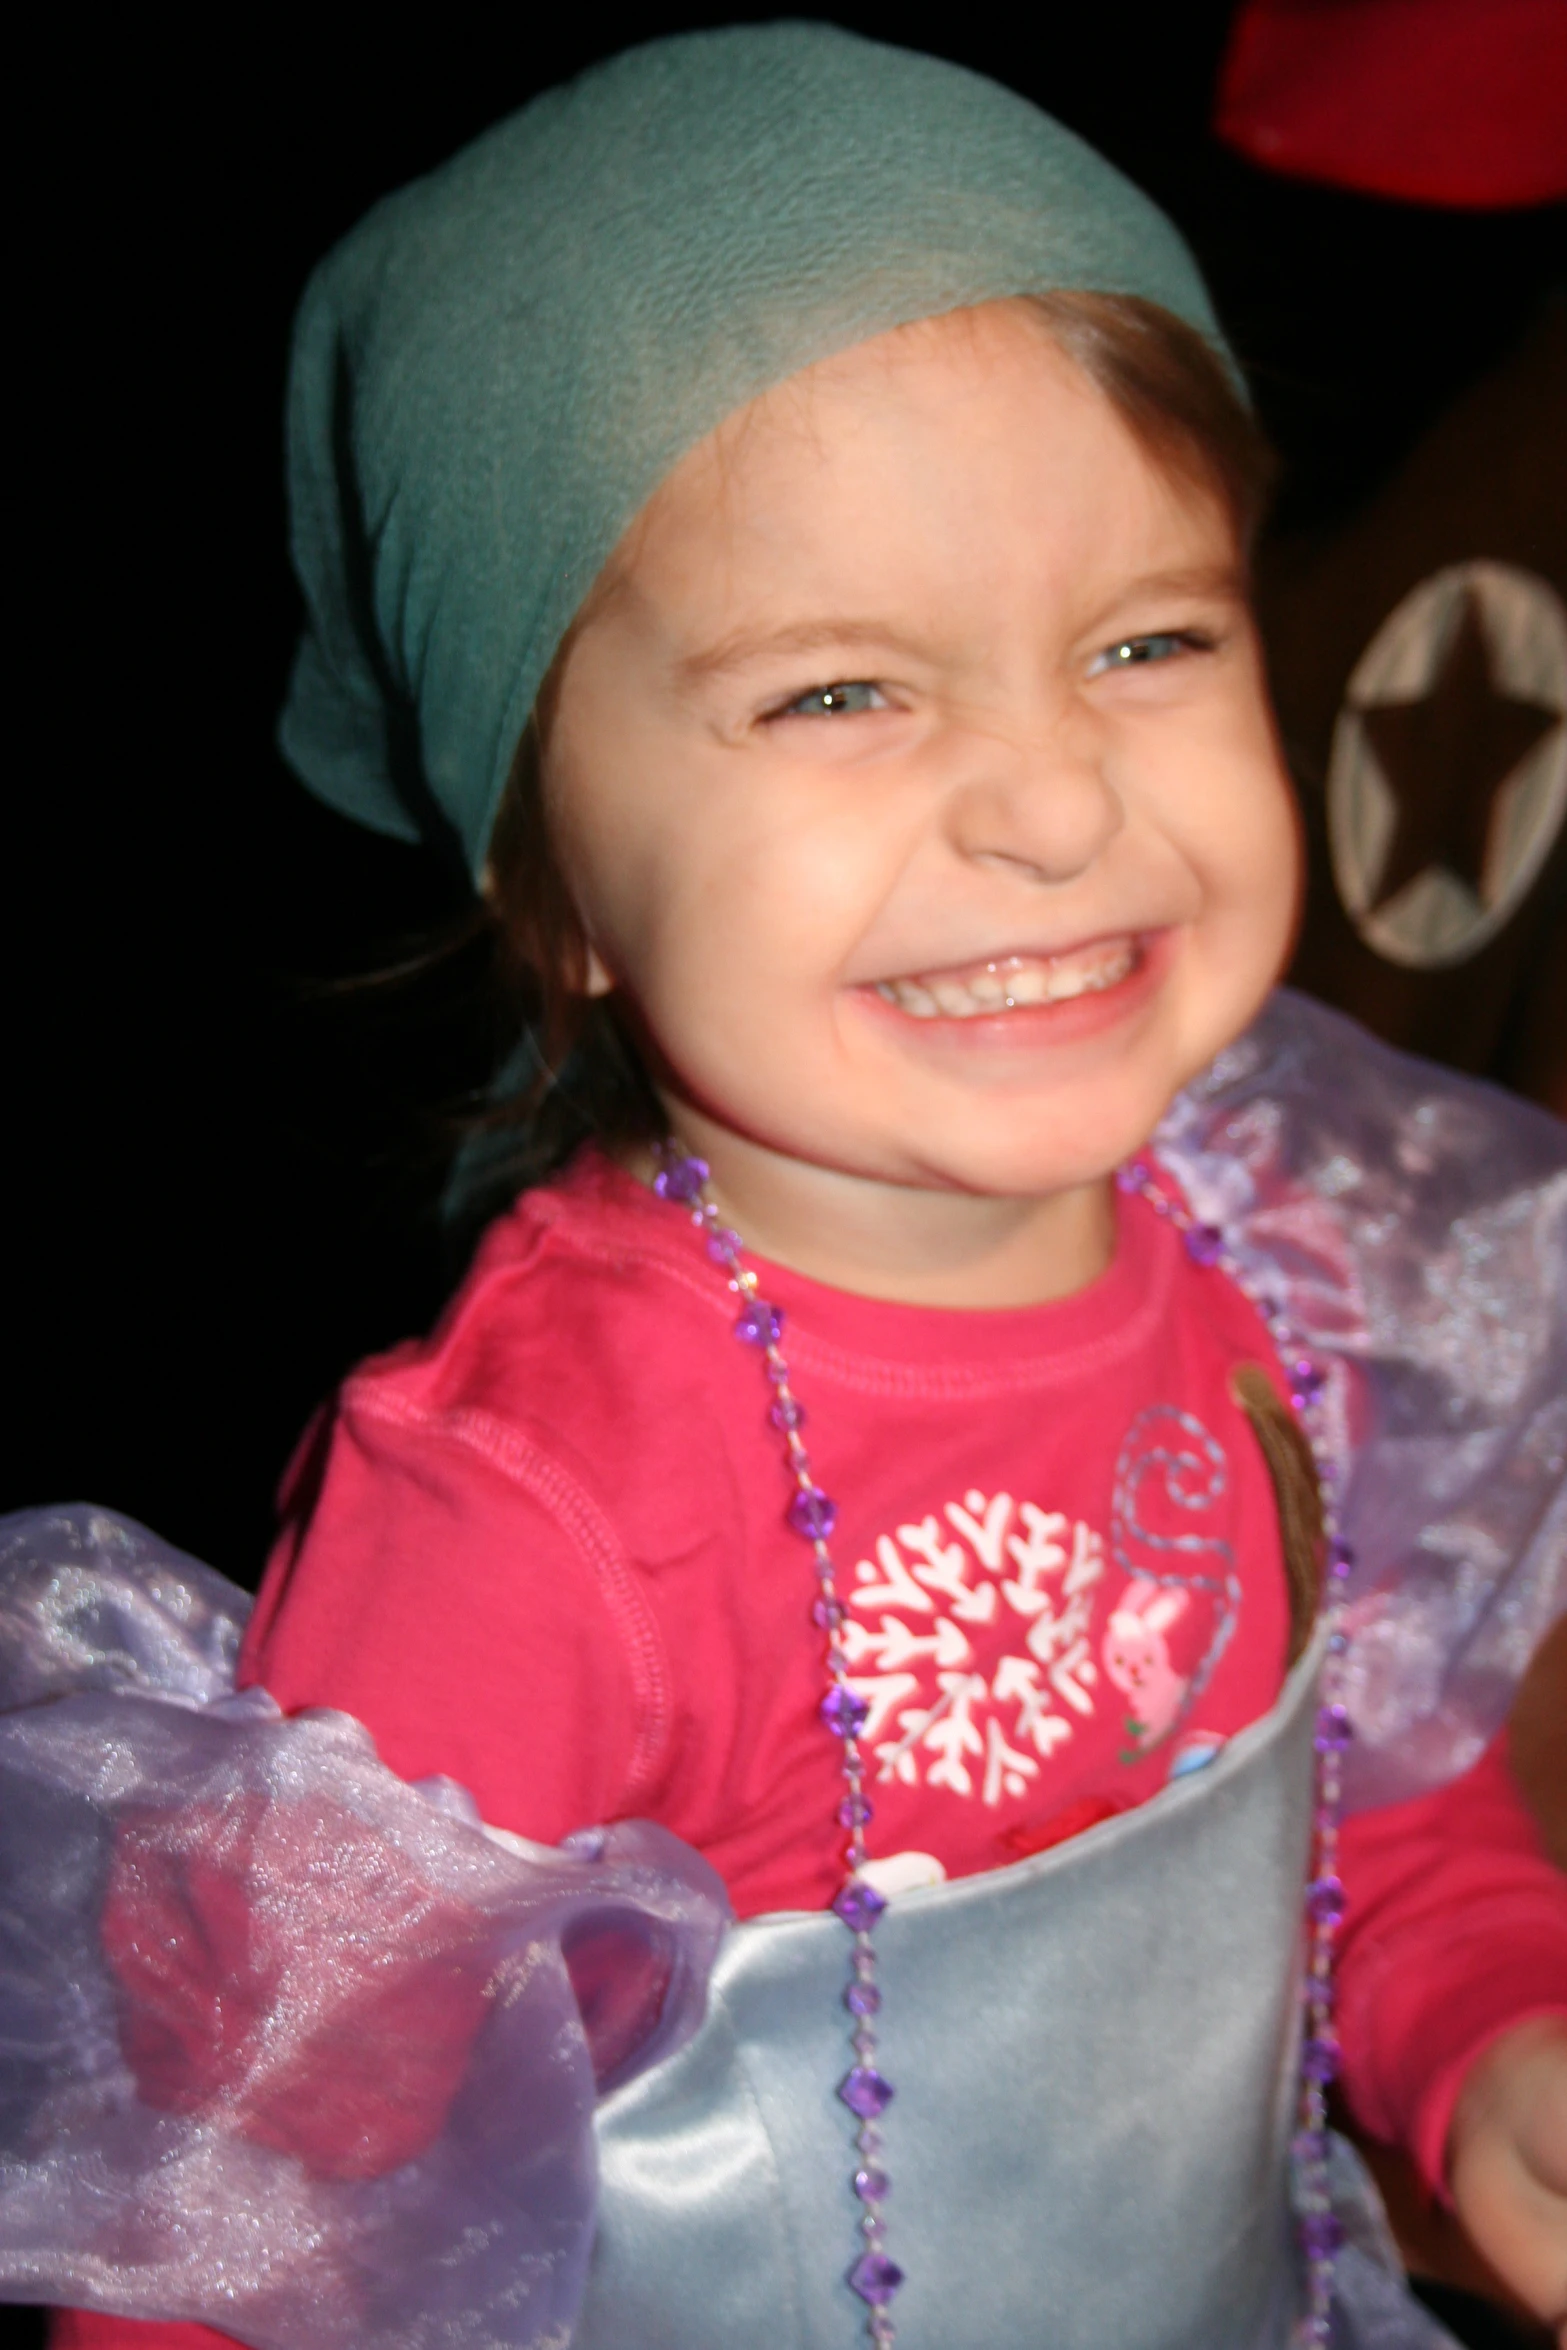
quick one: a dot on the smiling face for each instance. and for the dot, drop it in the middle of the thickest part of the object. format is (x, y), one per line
(914, 778)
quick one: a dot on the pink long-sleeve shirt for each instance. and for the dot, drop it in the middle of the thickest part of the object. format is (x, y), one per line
(545, 1553)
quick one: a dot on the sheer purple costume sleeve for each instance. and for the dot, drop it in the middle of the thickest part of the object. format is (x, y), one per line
(292, 2047)
(1414, 1224)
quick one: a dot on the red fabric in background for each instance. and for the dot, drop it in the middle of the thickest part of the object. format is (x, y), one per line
(1454, 102)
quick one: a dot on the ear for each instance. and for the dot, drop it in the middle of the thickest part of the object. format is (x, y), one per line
(600, 981)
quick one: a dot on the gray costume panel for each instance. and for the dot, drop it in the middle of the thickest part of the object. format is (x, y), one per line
(1095, 2055)
(1095, 2051)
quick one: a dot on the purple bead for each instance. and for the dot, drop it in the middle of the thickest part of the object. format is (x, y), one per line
(859, 1905)
(723, 1246)
(758, 1323)
(875, 2278)
(855, 1810)
(862, 1999)
(1321, 2234)
(1309, 2148)
(1325, 1900)
(871, 2184)
(812, 1514)
(1130, 1177)
(1334, 1729)
(843, 1712)
(1319, 2059)
(865, 2092)
(1306, 1381)
(585, 1843)
(827, 1614)
(785, 1413)
(1341, 1560)
(1204, 1243)
(681, 1180)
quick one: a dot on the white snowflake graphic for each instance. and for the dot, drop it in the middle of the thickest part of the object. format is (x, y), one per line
(934, 1716)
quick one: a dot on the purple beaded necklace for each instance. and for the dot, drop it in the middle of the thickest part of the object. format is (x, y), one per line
(811, 1514)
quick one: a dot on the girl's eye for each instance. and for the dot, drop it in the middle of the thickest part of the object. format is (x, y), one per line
(833, 701)
(1134, 652)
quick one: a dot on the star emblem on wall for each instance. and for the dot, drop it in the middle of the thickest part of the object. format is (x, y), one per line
(1445, 757)
(1447, 780)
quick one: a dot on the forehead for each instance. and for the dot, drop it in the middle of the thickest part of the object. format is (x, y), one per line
(946, 447)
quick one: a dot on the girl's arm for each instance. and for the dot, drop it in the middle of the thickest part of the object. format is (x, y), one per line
(1453, 2011)
(1455, 1931)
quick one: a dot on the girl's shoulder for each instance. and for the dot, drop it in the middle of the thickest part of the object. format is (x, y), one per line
(588, 1304)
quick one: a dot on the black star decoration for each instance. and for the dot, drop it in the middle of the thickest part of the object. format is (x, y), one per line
(1446, 757)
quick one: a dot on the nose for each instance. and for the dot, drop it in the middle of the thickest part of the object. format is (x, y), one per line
(1035, 802)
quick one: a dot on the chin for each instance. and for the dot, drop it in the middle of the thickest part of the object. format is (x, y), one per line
(1031, 1167)
(1067, 1139)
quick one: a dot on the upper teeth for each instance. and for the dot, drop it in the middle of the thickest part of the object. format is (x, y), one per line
(1015, 981)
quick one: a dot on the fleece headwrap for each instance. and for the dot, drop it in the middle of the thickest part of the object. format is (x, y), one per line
(493, 371)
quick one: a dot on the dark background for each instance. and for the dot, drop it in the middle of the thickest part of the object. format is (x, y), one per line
(215, 1196)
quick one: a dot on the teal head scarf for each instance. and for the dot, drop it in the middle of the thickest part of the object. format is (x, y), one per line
(501, 362)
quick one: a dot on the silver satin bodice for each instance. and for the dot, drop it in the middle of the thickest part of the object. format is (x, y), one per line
(1094, 2054)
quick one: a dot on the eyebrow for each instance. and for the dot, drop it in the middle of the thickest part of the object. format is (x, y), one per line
(1198, 579)
(744, 645)
(806, 636)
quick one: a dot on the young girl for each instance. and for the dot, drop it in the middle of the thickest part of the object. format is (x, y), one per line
(779, 506)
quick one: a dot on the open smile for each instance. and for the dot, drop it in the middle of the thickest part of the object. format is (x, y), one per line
(1015, 982)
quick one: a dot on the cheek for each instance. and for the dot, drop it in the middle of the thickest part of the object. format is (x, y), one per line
(746, 890)
(1269, 867)
(1237, 835)
(1238, 829)
(1254, 857)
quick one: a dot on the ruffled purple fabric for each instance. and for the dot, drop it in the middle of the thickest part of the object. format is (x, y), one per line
(1414, 1225)
(293, 2047)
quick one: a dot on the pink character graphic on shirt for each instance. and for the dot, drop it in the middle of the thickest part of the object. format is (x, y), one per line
(1156, 1640)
